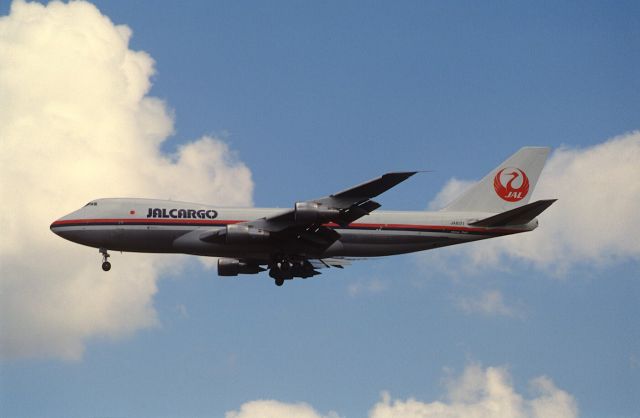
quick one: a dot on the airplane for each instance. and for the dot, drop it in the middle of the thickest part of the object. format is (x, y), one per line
(331, 231)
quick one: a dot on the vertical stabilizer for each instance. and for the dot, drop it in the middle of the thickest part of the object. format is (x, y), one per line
(508, 186)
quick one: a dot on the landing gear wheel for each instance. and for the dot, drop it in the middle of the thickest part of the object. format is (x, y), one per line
(106, 266)
(279, 281)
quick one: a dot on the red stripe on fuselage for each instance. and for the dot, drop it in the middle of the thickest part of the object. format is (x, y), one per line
(210, 222)
(429, 227)
(143, 220)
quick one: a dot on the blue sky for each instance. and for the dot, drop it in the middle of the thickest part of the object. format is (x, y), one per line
(372, 88)
(315, 97)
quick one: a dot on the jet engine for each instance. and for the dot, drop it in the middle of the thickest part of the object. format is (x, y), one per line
(311, 212)
(233, 267)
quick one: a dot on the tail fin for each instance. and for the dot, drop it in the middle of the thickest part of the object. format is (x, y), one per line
(508, 186)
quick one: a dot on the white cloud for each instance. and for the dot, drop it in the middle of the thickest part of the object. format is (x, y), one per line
(454, 188)
(276, 409)
(481, 393)
(592, 223)
(489, 302)
(76, 123)
(486, 393)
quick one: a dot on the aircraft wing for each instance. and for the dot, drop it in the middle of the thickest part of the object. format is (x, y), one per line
(341, 208)
(304, 224)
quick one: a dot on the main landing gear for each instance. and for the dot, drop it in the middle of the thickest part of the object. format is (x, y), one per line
(285, 268)
(106, 266)
(281, 271)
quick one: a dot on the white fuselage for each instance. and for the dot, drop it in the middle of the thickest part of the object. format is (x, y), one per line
(161, 226)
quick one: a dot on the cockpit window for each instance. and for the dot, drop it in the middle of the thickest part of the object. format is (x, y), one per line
(91, 204)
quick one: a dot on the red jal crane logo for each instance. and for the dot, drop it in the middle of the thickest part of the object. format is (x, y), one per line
(511, 184)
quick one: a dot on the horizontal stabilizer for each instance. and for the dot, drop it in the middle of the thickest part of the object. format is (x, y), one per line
(517, 216)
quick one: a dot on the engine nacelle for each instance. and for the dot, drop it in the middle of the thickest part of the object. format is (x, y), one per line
(233, 267)
(244, 234)
(311, 212)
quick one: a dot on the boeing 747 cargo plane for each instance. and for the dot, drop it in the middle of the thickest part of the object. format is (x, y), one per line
(314, 234)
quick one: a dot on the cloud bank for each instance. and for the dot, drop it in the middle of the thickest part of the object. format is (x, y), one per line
(478, 392)
(77, 123)
(593, 221)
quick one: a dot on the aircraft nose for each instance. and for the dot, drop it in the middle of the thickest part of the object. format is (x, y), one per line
(60, 226)
(55, 227)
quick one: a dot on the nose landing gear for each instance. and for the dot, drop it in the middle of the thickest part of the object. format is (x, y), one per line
(106, 265)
